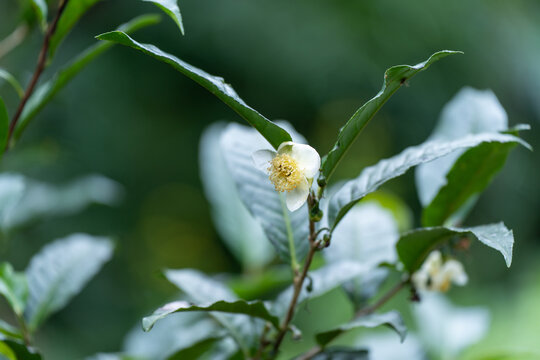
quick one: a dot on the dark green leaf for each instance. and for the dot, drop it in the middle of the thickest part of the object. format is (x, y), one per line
(195, 351)
(287, 231)
(5, 352)
(202, 289)
(45, 92)
(323, 280)
(72, 13)
(251, 308)
(391, 319)
(60, 271)
(240, 231)
(216, 85)
(413, 247)
(374, 176)
(448, 187)
(4, 126)
(170, 7)
(20, 350)
(11, 80)
(13, 287)
(469, 176)
(394, 78)
(171, 335)
(40, 8)
(340, 353)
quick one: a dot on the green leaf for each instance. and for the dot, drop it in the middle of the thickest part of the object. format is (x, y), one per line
(45, 92)
(195, 351)
(449, 186)
(394, 78)
(374, 176)
(368, 235)
(323, 280)
(391, 319)
(216, 85)
(40, 8)
(13, 287)
(202, 289)
(12, 188)
(413, 247)
(470, 175)
(6, 353)
(10, 332)
(20, 350)
(72, 13)
(39, 200)
(11, 80)
(287, 231)
(240, 231)
(4, 126)
(251, 308)
(340, 353)
(170, 7)
(172, 335)
(60, 271)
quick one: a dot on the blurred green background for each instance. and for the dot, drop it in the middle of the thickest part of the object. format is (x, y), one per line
(310, 62)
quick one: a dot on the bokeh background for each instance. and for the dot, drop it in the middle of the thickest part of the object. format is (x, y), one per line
(312, 63)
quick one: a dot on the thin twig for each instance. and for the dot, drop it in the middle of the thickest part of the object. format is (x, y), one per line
(298, 283)
(42, 60)
(387, 296)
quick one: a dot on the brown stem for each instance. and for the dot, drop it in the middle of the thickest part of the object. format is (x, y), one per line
(298, 283)
(42, 59)
(390, 294)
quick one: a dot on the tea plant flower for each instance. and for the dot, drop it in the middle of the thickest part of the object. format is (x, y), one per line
(437, 275)
(291, 169)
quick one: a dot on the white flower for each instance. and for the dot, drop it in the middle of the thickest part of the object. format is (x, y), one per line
(436, 275)
(291, 169)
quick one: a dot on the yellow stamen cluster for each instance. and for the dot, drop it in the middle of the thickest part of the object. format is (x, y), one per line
(284, 173)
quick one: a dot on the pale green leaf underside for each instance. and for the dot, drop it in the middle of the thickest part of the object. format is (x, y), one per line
(283, 228)
(391, 319)
(374, 176)
(394, 78)
(323, 280)
(240, 231)
(250, 308)
(202, 289)
(216, 85)
(60, 271)
(413, 247)
(13, 287)
(45, 92)
(170, 7)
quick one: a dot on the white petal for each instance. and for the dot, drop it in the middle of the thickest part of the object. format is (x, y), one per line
(455, 271)
(297, 197)
(285, 147)
(262, 158)
(308, 159)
